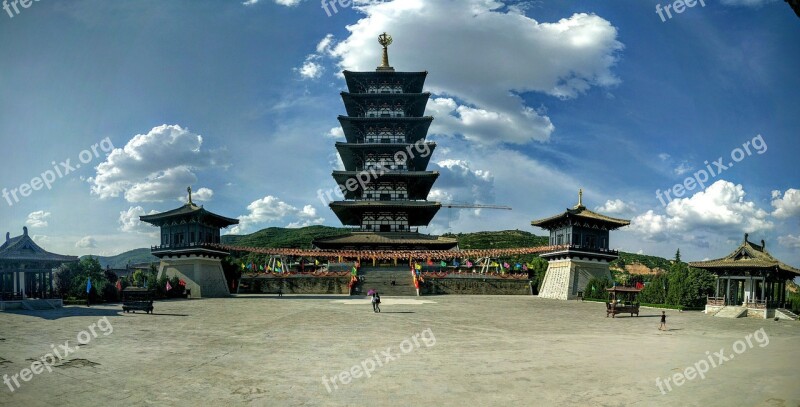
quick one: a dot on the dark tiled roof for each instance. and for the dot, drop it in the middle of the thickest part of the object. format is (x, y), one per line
(25, 249)
(747, 256)
(580, 211)
(188, 209)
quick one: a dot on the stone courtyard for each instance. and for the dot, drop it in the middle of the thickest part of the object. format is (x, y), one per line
(435, 350)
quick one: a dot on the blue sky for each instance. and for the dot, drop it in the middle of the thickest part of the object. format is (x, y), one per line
(532, 101)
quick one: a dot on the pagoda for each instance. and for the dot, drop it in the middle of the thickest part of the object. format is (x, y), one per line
(749, 280)
(581, 238)
(385, 182)
(190, 236)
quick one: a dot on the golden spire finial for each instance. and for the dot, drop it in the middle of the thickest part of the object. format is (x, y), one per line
(385, 40)
(580, 197)
(189, 190)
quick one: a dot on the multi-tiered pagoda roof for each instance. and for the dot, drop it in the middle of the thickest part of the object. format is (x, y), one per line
(385, 180)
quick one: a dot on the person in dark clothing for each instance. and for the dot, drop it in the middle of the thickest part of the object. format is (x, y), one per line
(663, 326)
(376, 301)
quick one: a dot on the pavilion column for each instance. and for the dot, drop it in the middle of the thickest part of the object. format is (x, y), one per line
(763, 283)
(716, 292)
(728, 292)
(50, 280)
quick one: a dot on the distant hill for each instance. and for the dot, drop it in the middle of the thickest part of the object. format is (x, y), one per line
(640, 263)
(504, 239)
(300, 238)
(130, 257)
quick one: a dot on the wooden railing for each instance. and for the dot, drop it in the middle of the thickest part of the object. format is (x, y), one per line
(715, 300)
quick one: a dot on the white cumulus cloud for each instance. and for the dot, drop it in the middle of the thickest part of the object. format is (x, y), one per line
(788, 205)
(37, 219)
(272, 209)
(721, 208)
(153, 167)
(86, 242)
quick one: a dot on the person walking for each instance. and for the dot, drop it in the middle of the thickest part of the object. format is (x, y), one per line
(663, 326)
(376, 301)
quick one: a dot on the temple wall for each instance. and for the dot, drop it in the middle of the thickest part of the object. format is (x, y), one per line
(475, 286)
(296, 285)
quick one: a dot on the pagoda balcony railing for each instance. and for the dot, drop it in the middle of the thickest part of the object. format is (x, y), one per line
(590, 249)
(181, 246)
(406, 230)
(716, 301)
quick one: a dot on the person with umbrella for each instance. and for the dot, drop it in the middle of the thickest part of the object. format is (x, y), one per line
(376, 300)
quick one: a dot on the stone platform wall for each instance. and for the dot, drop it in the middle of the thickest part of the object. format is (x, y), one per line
(296, 285)
(477, 286)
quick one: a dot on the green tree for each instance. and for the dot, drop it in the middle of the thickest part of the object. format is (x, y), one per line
(72, 278)
(596, 289)
(655, 291)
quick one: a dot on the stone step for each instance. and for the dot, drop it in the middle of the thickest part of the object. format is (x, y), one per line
(381, 280)
(784, 313)
(731, 311)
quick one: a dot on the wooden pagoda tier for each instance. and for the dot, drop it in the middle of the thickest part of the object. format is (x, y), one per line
(385, 181)
(188, 230)
(378, 104)
(26, 270)
(417, 184)
(749, 276)
(396, 82)
(416, 213)
(359, 157)
(388, 129)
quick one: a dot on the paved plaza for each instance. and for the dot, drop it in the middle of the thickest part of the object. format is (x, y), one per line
(435, 351)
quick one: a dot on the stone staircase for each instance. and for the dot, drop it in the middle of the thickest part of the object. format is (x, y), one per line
(380, 278)
(731, 311)
(784, 313)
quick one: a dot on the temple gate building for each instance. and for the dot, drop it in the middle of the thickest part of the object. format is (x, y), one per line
(750, 282)
(27, 270)
(189, 236)
(385, 181)
(583, 253)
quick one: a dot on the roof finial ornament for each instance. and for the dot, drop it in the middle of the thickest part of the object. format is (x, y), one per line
(385, 40)
(189, 190)
(745, 237)
(580, 197)
(25, 230)
(8, 236)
